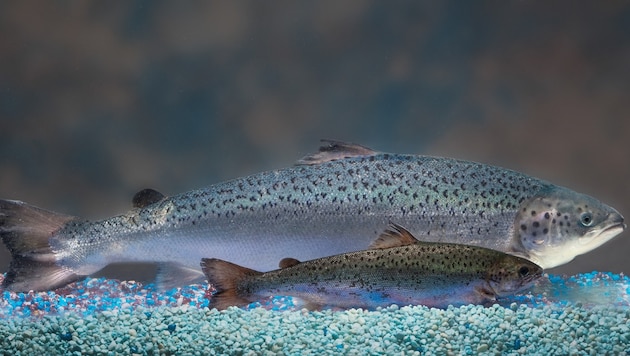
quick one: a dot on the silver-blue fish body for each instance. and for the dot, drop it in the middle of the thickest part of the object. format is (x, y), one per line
(340, 206)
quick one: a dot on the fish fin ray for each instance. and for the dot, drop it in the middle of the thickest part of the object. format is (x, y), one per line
(335, 150)
(146, 197)
(25, 230)
(487, 294)
(225, 277)
(172, 275)
(288, 262)
(312, 306)
(394, 236)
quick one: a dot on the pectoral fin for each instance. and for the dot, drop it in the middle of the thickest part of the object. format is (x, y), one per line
(486, 294)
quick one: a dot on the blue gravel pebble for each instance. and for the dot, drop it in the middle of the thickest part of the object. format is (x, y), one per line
(171, 328)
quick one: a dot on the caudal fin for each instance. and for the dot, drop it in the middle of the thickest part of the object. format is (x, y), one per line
(225, 277)
(25, 231)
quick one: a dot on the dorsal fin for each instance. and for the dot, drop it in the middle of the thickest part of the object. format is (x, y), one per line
(288, 262)
(334, 150)
(146, 197)
(394, 236)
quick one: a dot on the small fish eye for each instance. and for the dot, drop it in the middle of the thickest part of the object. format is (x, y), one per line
(586, 219)
(523, 271)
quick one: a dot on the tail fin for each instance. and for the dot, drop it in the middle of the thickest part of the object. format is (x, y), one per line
(225, 277)
(25, 230)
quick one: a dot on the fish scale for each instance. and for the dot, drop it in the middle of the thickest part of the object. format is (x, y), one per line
(334, 201)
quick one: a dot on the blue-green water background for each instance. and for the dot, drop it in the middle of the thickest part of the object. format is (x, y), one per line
(101, 99)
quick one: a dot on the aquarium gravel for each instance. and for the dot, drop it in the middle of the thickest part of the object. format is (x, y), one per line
(584, 314)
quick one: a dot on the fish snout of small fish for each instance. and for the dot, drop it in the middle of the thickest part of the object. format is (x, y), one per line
(559, 224)
(513, 274)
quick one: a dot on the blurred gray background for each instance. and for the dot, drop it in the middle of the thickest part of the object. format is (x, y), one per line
(101, 99)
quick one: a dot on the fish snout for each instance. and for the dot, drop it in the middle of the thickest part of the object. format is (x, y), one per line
(614, 225)
(617, 219)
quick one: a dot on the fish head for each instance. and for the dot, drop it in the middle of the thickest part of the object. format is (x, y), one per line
(558, 224)
(511, 274)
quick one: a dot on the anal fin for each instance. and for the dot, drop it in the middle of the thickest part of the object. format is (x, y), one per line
(172, 275)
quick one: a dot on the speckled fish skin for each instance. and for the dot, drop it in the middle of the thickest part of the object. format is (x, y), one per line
(335, 202)
(431, 274)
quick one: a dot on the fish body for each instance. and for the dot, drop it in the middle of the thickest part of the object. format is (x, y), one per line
(332, 202)
(431, 274)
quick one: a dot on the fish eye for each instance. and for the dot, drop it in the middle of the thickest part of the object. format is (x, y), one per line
(523, 271)
(586, 219)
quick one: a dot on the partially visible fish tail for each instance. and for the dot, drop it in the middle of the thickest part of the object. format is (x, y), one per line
(25, 230)
(225, 277)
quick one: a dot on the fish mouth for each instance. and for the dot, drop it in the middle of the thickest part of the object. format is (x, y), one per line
(616, 227)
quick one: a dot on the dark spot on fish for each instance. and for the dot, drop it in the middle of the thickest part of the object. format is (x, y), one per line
(545, 231)
(533, 212)
(536, 224)
(546, 215)
(523, 227)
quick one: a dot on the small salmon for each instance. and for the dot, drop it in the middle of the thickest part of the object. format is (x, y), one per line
(397, 270)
